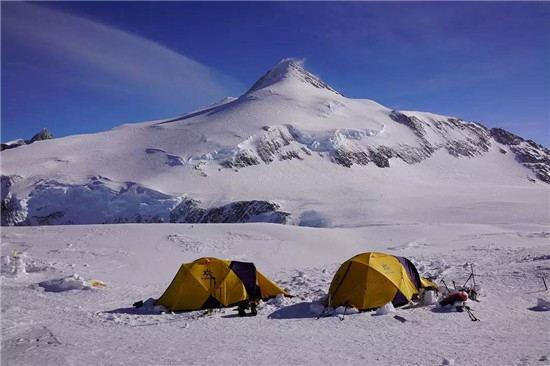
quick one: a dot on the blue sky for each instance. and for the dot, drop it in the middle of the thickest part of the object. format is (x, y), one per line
(82, 67)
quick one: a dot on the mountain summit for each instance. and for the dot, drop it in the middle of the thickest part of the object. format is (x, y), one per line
(288, 70)
(290, 150)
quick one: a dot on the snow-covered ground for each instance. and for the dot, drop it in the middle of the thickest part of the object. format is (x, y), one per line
(71, 321)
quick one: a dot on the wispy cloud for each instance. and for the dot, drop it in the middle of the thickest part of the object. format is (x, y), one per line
(99, 56)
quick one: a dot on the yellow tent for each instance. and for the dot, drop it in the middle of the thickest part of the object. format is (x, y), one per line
(370, 280)
(209, 283)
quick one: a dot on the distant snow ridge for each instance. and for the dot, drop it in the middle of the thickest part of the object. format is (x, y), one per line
(104, 201)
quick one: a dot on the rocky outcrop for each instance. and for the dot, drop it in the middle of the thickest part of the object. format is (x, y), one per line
(17, 143)
(241, 159)
(12, 211)
(530, 154)
(474, 138)
(189, 211)
(42, 135)
(347, 156)
(246, 211)
(506, 138)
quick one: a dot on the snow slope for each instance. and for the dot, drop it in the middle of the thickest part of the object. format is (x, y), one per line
(290, 150)
(51, 315)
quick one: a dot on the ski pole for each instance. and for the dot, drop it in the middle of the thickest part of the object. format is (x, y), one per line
(470, 276)
(472, 316)
(443, 282)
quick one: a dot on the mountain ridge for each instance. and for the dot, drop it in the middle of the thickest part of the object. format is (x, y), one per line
(230, 157)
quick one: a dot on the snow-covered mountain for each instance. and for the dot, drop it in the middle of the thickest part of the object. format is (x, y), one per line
(290, 150)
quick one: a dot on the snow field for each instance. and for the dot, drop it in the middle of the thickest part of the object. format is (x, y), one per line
(137, 262)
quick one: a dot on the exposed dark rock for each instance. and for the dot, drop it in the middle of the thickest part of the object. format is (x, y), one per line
(381, 156)
(289, 155)
(271, 143)
(411, 122)
(12, 212)
(188, 211)
(40, 136)
(19, 142)
(244, 211)
(530, 154)
(241, 159)
(49, 219)
(237, 212)
(267, 148)
(462, 148)
(504, 137)
(348, 157)
(412, 155)
(426, 149)
(306, 150)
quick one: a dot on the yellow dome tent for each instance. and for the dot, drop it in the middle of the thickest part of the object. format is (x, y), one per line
(209, 283)
(370, 280)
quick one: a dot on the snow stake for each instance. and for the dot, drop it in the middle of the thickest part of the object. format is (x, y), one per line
(543, 281)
